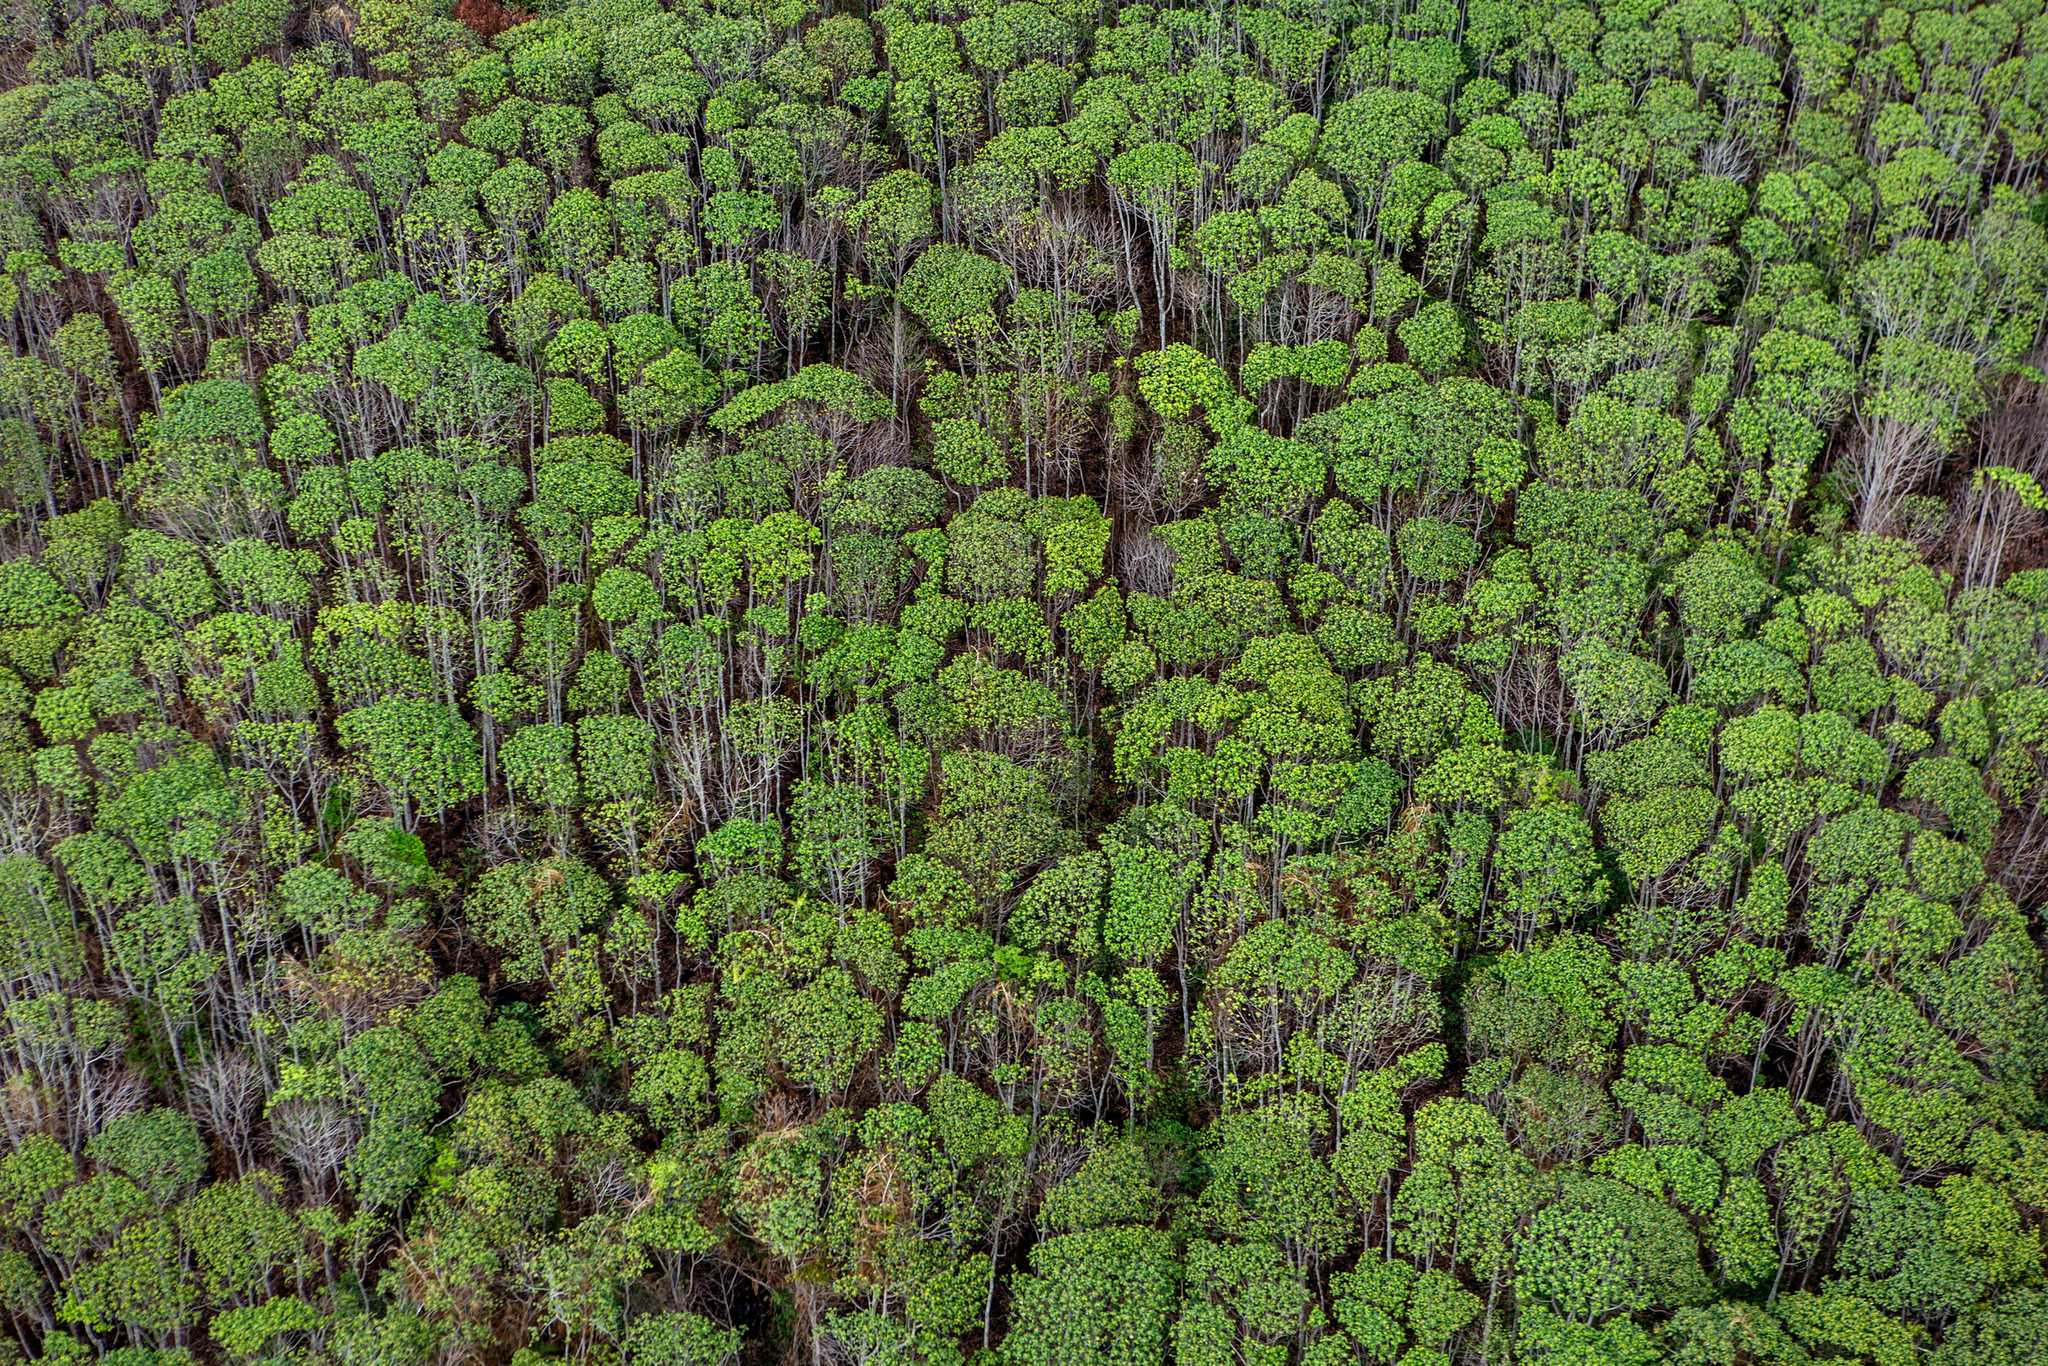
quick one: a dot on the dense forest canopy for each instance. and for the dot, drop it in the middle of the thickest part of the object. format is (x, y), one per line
(714, 682)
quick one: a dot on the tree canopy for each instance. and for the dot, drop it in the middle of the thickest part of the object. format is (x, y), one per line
(1023, 683)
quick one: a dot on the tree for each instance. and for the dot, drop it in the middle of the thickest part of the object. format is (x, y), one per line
(423, 754)
(1104, 1296)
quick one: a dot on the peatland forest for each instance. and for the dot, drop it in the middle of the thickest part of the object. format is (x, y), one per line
(959, 683)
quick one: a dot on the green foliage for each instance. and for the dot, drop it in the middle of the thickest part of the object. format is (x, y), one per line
(1022, 682)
